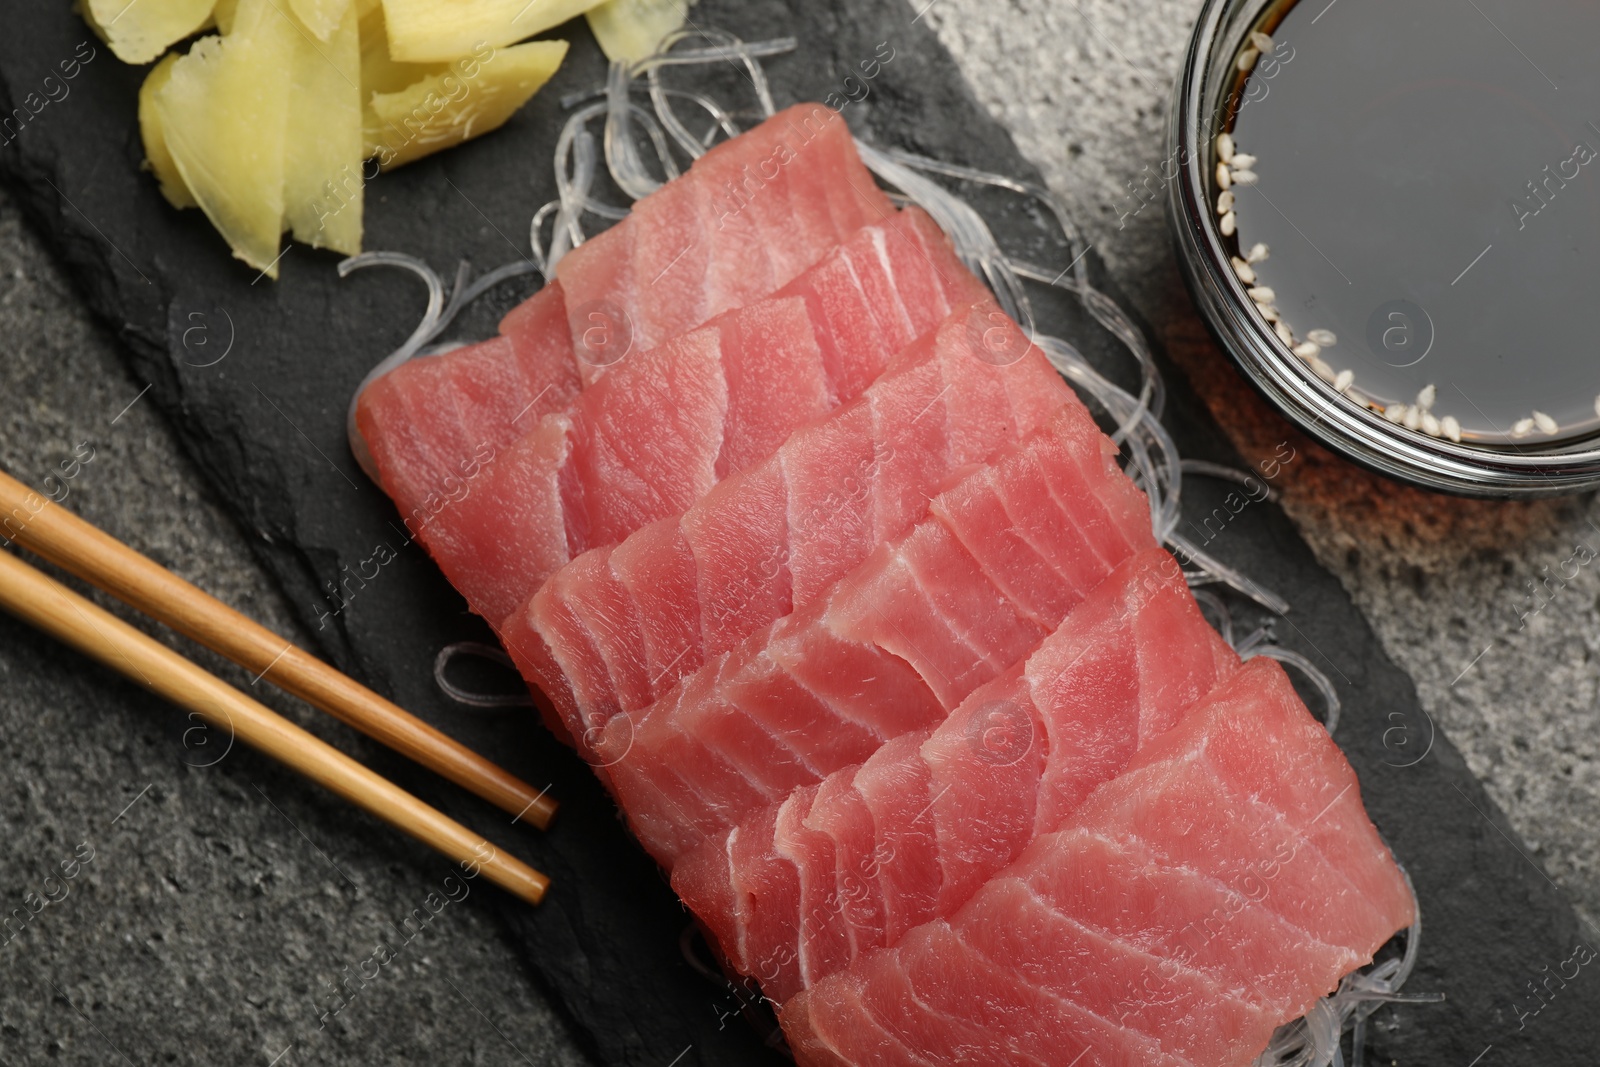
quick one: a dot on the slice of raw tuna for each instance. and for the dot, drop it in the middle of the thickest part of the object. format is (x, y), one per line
(750, 216)
(616, 628)
(949, 810)
(433, 424)
(895, 645)
(1212, 892)
(664, 425)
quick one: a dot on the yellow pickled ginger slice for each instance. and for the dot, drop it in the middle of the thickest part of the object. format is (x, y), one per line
(425, 31)
(156, 156)
(322, 196)
(224, 114)
(630, 30)
(475, 95)
(138, 31)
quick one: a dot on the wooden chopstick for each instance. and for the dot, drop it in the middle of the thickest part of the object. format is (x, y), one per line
(37, 599)
(76, 546)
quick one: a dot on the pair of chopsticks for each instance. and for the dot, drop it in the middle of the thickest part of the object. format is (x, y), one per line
(55, 534)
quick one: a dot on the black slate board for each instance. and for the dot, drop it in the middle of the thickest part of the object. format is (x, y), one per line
(266, 427)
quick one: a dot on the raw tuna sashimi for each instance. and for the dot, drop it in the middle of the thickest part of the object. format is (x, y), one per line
(999, 561)
(616, 628)
(758, 209)
(1212, 892)
(794, 894)
(665, 425)
(432, 425)
(750, 215)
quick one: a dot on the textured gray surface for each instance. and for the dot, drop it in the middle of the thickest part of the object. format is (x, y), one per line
(225, 898)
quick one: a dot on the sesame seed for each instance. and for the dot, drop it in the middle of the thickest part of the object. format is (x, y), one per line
(1224, 176)
(1242, 162)
(1430, 424)
(1261, 41)
(1247, 59)
(1522, 428)
(1597, 405)
(1426, 397)
(1224, 202)
(1450, 428)
(1248, 277)
(1268, 312)
(1321, 369)
(1413, 419)
(1327, 339)
(1285, 334)
(1394, 412)
(1262, 294)
(1345, 379)
(1259, 252)
(1308, 350)
(1545, 423)
(1229, 224)
(1225, 147)
(1245, 177)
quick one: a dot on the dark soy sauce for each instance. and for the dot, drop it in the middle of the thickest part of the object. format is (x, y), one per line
(1429, 188)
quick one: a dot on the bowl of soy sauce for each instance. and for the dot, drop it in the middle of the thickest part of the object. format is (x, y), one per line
(1388, 212)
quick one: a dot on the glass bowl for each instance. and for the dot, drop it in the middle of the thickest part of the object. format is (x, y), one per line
(1208, 92)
